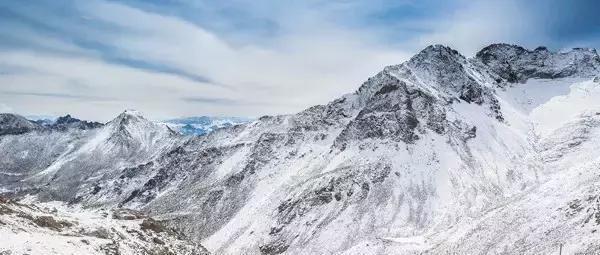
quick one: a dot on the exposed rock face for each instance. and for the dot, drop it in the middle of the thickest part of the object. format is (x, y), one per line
(449, 70)
(395, 111)
(517, 64)
(426, 156)
(399, 102)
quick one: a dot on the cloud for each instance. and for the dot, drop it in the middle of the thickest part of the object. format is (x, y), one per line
(238, 57)
(205, 100)
(147, 60)
(472, 25)
(56, 95)
(478, 24)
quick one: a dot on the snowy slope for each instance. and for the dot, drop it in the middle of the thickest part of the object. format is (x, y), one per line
(440, 154)
(563, 207)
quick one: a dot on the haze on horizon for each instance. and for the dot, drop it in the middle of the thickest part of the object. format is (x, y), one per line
(93, 59)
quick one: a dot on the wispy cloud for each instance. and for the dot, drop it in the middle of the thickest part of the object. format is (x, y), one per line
(56, 95)
(206, 100)
(241, 57)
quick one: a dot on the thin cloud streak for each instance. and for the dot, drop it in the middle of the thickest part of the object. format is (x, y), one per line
(206, 100)
(58, 95)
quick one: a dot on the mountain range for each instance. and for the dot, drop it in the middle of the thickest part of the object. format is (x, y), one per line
(442, 154)
(204, 124)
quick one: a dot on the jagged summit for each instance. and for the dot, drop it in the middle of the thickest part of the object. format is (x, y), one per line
(132, 119)
(133, 112)
(437, 53)
(444, 73)
(66, 119)
(437, 70)
(129, 116)
(437, 73)
(66, 122)
(446, 70)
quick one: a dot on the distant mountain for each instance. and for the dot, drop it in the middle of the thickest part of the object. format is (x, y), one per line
(66, 122)
(495, 154)
(204, 124)
(16, 124)
(12, 124)
(41, 119)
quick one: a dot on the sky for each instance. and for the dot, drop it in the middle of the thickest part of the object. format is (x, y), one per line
(173, 58)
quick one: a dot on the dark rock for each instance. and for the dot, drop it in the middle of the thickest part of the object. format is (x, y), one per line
(273, 248)
(101, 233)
(157, 240)
(150, 224)
(127, 214)
(516, 64)
(51, 223)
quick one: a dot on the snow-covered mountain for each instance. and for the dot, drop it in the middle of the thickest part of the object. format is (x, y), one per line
(204, 124)
(11, 124)
(440, 154)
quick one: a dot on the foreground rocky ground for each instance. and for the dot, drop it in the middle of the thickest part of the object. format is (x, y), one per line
(53, 228)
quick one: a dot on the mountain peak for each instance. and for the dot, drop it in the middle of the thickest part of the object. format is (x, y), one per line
(437, 53)
(444, 71)
(511, 49)
(131, 113)
(128, 117)
(439, 48)
(131, 125)
(66, 119)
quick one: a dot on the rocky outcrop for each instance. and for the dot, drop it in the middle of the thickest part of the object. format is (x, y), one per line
(516, 64)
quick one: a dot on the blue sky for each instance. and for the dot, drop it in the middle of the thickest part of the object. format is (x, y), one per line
(171, 58)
